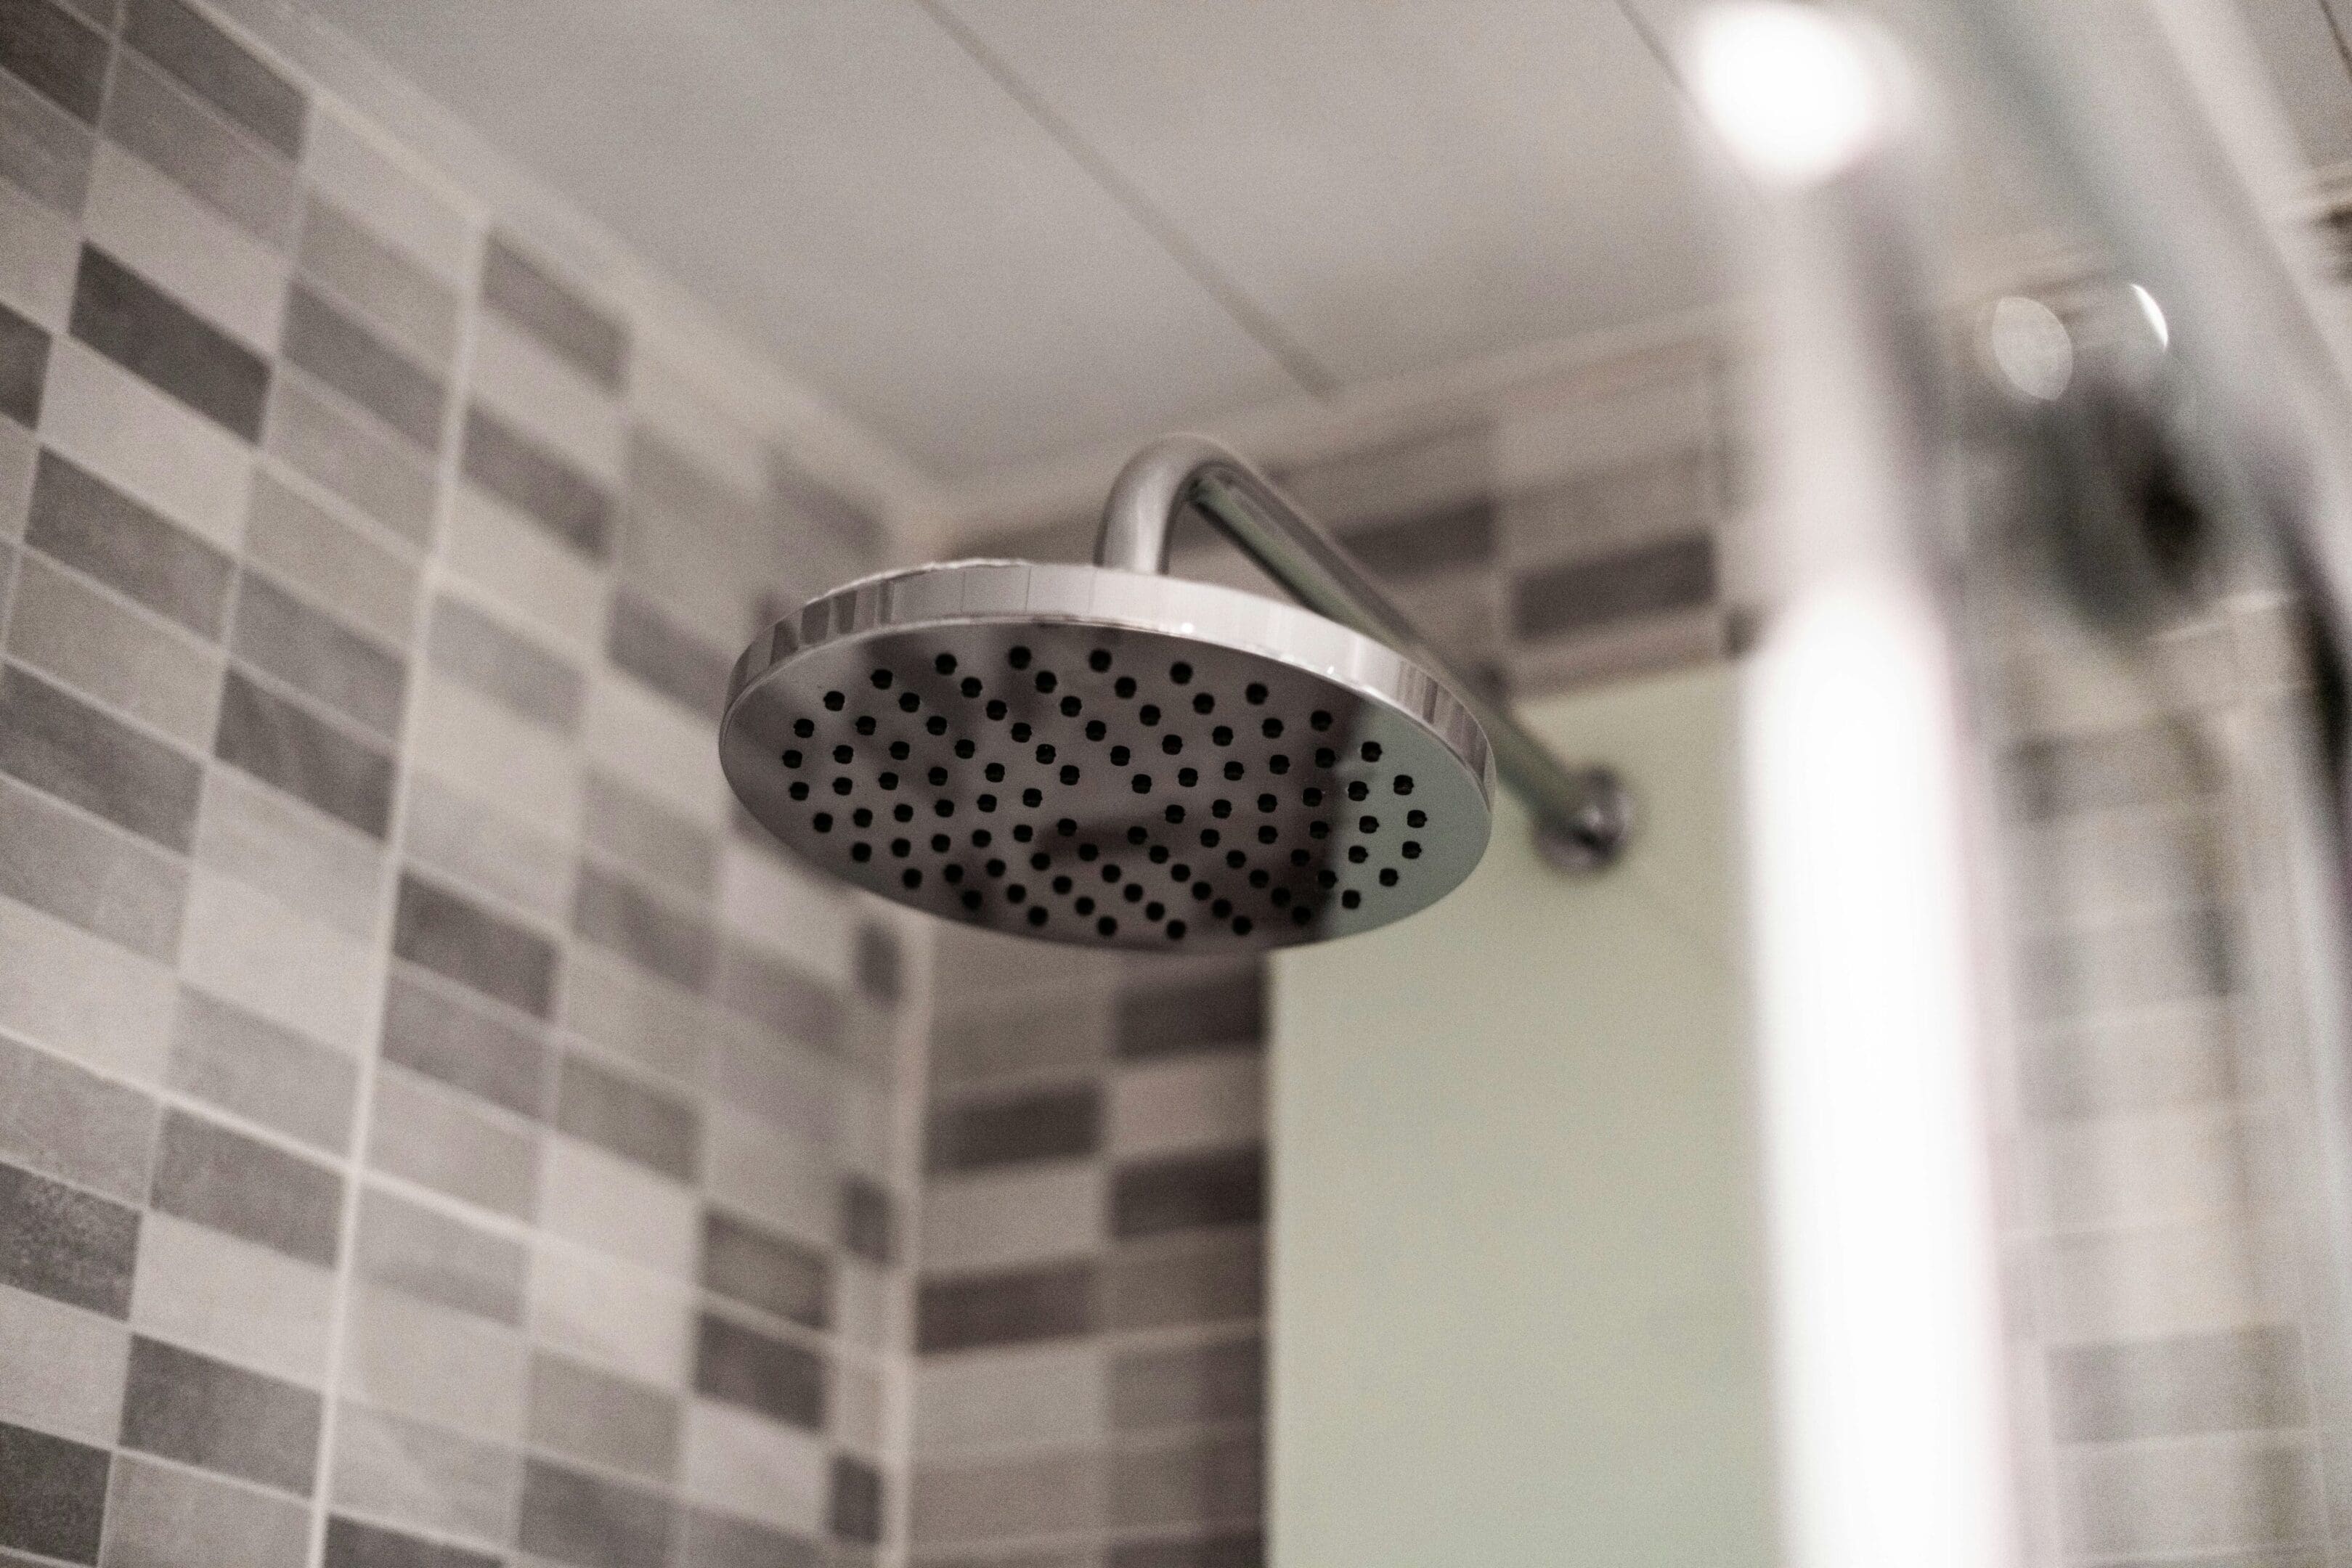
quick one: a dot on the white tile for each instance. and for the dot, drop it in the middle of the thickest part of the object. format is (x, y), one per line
(1002, 1221)
(2163, 1280)
(654, 744)
(406, 207)
(147, 444)
(214, 267)
(778, 1081)
(546, 398)
(635, 1015)
(82, 996)
(990, 1401)
(2118, 1171)
(858, 1399)
(483, 750)
(868, 1132)
(479, 845)
(620, 1318)
(618, 1207)
(668, 400)
(38, 252)
(752, 1164)
(411, 1474)
(251, 1305)
(244, 946)
(422, 1359)
(790, 910)
(869, 1306)
(736, 1461)
(271, 840)
(61, 1369)
(518, 564)
(1190, 1103)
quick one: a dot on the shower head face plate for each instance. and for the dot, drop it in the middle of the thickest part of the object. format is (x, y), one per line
(1107, 758)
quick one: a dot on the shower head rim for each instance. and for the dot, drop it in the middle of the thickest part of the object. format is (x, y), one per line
(1438, 710)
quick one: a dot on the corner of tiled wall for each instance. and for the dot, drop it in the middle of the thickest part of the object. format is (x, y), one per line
(433, 1128)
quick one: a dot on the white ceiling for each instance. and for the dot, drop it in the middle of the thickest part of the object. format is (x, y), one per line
(1002, 233)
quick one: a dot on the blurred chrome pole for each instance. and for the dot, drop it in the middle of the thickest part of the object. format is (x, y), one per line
(1870, 955)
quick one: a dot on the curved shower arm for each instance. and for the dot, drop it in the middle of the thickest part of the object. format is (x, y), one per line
(1583, 816)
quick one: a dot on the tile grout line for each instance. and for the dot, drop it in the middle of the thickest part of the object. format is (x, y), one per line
(431, 568)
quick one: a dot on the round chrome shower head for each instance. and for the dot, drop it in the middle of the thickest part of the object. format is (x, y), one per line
(1106, 758)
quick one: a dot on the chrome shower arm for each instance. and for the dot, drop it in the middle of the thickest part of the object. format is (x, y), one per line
(1582, 815)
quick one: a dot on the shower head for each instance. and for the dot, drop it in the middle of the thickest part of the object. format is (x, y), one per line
(1107, 757)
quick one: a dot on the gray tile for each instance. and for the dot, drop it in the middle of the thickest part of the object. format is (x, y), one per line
(2141, 961)
(642, 641)
(19, 455)
(538, 483)
(782, 1381)
(1057, 1034)
(1061, 1122)
(611, 1422)
(877, 964)
(1188, 1385)
(533, 683)
(707, 1539)
(181, 1406)
(782, 1278)
(415, 1474)
(622, 918)
(317, 655)
(42, 151)
(1583, 596)
(1213, 1481)
(58, 1120)
(55, 53)
(351, 458)
(65, 627)
(771, 992)
(1246, 1550)
(263, 1071)
(2169, 1501)
(61, 1369)
(352, 1544)
(445, 1141)
(558, 315)
(55, 742)
(854, 1506)
(2247, 1380)
(284, 746)
(350, 358)
(219, 70)
(1196, 1277)
(1015, 1307)
(151, 116)
(401, 299)
(213, 1177)
(1189, 1192)
(1041, 1495)
(160, 1517)
(440, 1258)
(1400, 549)
(458, 939)
(332, 561)
(867, 1226)
(1212, 1011)
(648, 839)
(281, 846)
(55, 1493)
(634, 1120)
(438, 1034)
(576, 1518)
(23, 366)
(80, 520)
(67, 1245)
(160, 341)
(90, 875)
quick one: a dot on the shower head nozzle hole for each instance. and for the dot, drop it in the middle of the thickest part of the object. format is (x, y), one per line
(881, 680)
(1098, 661)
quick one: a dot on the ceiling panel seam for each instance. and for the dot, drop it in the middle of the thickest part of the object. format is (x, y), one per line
(1229, 296)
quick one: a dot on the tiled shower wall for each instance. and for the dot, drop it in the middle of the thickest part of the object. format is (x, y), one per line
(432, 1130)
(1090, 1377)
